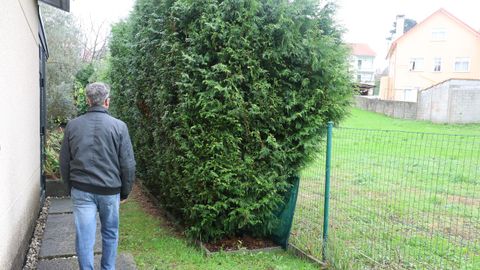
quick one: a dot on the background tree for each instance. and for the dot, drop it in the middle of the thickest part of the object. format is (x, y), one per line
(63, 63)
(68, 72)
(77, 57)
(407, 25)
(90, 72)
(94, 41)
(225, 100)
(94, 58)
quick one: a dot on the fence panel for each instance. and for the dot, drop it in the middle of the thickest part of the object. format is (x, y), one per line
(399, 200)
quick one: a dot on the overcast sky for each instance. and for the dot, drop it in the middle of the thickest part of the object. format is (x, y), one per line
(101, 10)
(366, 21)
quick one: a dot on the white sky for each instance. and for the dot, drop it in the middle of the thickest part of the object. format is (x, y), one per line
(110, 11)
(96, 17)
(369, 21)
(366, 21)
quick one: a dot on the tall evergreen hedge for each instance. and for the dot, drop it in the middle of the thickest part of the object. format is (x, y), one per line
(225, 100)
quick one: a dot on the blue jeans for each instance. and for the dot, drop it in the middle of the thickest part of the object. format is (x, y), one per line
(85, 207)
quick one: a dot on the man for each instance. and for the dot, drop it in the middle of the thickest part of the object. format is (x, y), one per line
(98, 167)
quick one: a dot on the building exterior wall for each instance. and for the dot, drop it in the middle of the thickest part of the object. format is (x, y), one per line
(384, 82)
(19, 136)
(408, 94)
(365, 71)
(459, 42)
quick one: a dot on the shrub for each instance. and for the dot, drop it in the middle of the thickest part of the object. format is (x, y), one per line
(60, 104)
(89, 73)
(52, 152)
(64, 60)
(80, 98)
(225, 100)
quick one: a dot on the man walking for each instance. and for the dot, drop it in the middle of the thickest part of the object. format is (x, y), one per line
(98, 167)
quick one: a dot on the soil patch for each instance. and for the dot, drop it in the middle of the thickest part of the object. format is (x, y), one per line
(470, 201)
(239, 243)
(147, 203)
(151, 207)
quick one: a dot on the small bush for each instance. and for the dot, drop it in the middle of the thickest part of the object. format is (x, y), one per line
(52, 152)
(225, 100)
(80, 98)
(60, 104)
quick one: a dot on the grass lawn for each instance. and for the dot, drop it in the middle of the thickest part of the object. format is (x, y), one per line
(400, 198)
(155, 245)
(370, 120)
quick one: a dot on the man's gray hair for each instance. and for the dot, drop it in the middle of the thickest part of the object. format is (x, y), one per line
(97, 93)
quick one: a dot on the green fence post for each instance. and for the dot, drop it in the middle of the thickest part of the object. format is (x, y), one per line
(327, 191)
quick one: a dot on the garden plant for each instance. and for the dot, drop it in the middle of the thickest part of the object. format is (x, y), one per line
(225, 100)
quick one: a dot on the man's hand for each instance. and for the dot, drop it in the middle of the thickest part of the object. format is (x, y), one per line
(123, 201)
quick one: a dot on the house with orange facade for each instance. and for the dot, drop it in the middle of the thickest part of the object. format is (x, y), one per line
(439, 48)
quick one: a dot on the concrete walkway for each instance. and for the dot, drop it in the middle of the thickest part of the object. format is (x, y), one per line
(58, 244)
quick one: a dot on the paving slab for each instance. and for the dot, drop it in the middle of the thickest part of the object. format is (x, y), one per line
(60, 206)
(59, 237)
(124, 262)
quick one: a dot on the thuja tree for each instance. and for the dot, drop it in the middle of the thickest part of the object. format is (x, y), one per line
(225, 101)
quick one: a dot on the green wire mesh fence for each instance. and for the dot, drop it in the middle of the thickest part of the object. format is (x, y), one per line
(398, 200)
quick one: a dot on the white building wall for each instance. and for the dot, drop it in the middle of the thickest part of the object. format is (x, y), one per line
(408, 95)
(366, 71)
(19, 128)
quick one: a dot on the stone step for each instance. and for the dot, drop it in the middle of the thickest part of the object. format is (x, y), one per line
(57, 251)
(60, 206)
(124, 261)
(59, 237)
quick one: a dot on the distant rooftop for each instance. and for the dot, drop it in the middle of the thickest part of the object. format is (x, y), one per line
(361, 49)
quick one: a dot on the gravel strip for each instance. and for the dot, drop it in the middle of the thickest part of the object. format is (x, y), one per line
(36, 242)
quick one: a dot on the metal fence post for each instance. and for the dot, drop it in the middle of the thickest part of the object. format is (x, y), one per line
(327, 191)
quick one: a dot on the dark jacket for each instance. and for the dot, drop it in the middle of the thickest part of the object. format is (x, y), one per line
(97, 155)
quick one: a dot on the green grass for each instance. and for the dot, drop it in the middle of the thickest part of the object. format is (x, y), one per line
(370, 120)
(155, 246)
(399, 200)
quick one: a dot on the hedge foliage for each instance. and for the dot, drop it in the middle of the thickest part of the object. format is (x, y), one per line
(225, 100)
(52, 153)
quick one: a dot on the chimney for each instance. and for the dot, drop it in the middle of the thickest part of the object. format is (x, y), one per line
(400, 26)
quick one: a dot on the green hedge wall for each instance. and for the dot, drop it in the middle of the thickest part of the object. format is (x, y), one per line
(225, 100)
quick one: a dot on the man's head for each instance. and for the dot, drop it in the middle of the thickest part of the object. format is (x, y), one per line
(98, 94)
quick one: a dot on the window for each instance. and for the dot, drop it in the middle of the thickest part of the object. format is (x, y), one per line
(416, 64)
(462, 64)
(359, 64)
(437, 64)
(359, 78)
(439, 34)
